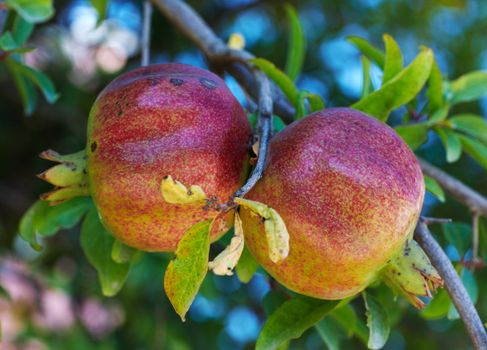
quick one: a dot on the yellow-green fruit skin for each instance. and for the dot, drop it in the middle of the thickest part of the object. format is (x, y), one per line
(350, 192)
(164, 120)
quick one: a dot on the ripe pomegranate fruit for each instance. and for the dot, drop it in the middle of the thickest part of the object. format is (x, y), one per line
(350, 192)
(166, 121)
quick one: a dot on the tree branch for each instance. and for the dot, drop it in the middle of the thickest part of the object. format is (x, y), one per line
(258, 86)
(146, 33)
(464, 194)
(453, 285)
(217, 52)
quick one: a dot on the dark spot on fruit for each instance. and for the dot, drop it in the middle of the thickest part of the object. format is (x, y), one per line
(176, 81)
(120, 112)
(153, 81)
(93, 146)
(207, 83)
(165, 177)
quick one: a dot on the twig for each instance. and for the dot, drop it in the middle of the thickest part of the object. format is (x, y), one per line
(464, 194)
(265, 117)
(146, 31)
(218, 53)
(475, 238)
(453, 285)
(429, 221)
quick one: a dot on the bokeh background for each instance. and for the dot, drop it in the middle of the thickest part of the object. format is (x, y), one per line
(56, 301)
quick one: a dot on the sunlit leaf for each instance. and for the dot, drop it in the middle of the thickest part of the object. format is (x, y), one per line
(34, 11)
(399, 90)
(393, 63)
(187, 270)
(468, 87)
(280, 78)
(347, 318)
(434, 188)
(373, 53)
(475, 149)
(122, 253)
(413, 134)
(296, 45)
(315, 102)
(97, 244)
(471, 124)
(291, 319)
(452, 144)
(367, 87)
(434, 92)
(377, 321)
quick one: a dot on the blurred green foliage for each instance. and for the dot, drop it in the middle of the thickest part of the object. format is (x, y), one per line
(442, 122)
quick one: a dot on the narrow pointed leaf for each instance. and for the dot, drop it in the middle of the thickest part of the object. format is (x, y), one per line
(475, 149)
(280, 78)
(377, 321)
(21, 30)
(393, 63)
(434, 92)
(452, 144)
(34, 11)
(296, 45)
(315, 102)
(97, 244)
(291, 319)
(187, 270)
(122, 253)
(370, 51)
(25, 88)
(246, 267)
(413, 134)
(367, 87)
(471, 124)
(434, 188)
(400, 90)
(468, 87)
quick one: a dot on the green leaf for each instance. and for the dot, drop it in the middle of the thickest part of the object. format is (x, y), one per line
(459, 235)
(97, 243)
(101, 7)
(291, 319)
(246, 267)
(26, 89)
(38, 78)
(413, 134)
(296, 46)
(21, 30)
(122, 253)
(393, 63)
(399, 90)
(315, 102)
(439, 115)
(347, 318)
(280, 78)
(373, 53)
(45, 220)
(468, 87)
(367, 87)
(7, 42)
(475, 149)
(330, 333)
(438, 307)
(434, 92)
(470, 284)
(377, 321)
(434, 188)
(273, 300)
(471, 124)
(451, 142)
(33, 11)
(187, 271)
